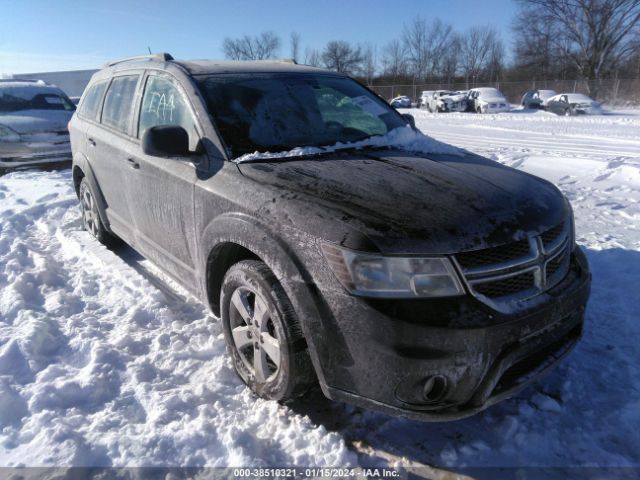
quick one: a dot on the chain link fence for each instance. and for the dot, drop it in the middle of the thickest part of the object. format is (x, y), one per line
(614, 92)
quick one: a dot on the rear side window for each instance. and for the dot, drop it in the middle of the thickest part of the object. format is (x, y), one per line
(118, 104)
(91, 103)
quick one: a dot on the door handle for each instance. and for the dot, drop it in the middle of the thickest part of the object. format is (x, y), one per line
(92, 142)
(133, 164)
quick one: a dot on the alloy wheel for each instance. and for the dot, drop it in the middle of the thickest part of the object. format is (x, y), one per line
(90, 218)
(254, 335)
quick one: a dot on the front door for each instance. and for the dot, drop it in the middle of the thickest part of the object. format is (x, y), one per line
(160, 191)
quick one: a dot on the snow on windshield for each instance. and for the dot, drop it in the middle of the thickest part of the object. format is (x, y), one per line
(402, 138)
(578, 98)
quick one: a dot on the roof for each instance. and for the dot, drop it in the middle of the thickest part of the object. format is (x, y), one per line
(203, 67)
(200, 67)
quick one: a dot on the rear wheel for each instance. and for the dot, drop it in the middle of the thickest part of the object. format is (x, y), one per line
(91, 217)
(263, 334)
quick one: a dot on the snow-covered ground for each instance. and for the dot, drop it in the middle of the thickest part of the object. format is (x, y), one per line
(103, 361)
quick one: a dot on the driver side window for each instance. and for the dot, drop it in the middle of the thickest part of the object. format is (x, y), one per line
(163, 104)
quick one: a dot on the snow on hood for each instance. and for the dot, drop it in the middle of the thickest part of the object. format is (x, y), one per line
(403, 138)
(494, 99)
(35, 121)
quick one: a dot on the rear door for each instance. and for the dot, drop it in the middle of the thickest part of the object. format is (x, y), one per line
(160, 191)
(109, 143)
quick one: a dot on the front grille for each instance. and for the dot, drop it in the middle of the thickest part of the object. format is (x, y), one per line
(556, 264)
(520, 269)
(552, 235)
(506, 286)
(491, 256)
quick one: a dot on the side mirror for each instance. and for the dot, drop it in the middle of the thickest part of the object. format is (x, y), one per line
(409, 119)
(165, 141)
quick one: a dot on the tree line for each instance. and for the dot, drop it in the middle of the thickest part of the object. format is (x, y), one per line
(552, 40)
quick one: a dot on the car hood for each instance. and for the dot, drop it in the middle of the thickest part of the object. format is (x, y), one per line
(453, 98)
(494, 100)
(36, 121)
(397, 202)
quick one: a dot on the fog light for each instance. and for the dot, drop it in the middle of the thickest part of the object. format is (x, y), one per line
(435, 388)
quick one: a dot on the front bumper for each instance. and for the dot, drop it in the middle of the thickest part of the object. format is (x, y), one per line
(381, 354)
(29, 158)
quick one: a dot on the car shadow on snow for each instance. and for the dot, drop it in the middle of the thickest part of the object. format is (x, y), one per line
(584, 412)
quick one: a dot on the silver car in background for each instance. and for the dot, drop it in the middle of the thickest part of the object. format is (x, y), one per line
(33, 124)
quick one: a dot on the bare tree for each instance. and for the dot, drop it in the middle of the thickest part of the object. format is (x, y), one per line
(342, 57)
(312, 57)
(425, 44)
(414, 39)
(260, 47)
(596, 35)
(450, 60)
(394, 60)
(295, 45)
(479, 46)
(369, 63)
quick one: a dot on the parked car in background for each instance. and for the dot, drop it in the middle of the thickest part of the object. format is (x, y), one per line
(33, 124)
(487, 100)
(573, 104)
(424, 96)
(537, 99)
(429, 283)
(401, 101)
(446, 101)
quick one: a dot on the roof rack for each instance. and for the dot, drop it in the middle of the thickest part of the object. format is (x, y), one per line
(281, 60)
(163, 57)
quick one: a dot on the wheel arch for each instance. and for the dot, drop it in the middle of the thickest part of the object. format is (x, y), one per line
(233, 237)
(82, 169)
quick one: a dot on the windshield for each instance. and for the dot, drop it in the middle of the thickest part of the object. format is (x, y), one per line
(279, 112)
(18, 99)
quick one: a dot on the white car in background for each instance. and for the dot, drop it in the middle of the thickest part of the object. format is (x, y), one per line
(33, 124)
(487, 100)
(424, 98)
(446, 101)
(401, 101)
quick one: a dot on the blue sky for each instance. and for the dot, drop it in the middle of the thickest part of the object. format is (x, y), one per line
(39, 35)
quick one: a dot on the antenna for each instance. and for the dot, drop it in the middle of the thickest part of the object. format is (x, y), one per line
(149, 48)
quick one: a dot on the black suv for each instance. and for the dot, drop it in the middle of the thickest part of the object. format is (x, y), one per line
(424, 284)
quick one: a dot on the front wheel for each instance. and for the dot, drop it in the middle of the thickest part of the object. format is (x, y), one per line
(263, 334)
(91, 217)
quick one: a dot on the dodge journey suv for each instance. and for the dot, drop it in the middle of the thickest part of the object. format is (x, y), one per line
(337, 244)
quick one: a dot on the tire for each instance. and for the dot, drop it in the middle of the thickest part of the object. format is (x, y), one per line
(91, 217)
(478, 110)
(253, 305)
(567, 112)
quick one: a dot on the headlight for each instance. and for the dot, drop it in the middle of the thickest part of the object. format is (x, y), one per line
(8, 135)
(373, 275)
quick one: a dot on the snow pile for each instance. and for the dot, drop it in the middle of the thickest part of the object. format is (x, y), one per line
(99, 367)
(403, 138)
